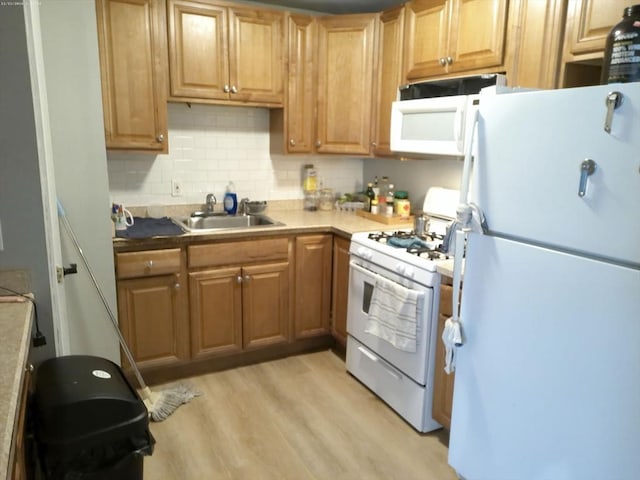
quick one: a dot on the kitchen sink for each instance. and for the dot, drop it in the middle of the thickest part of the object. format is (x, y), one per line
(198, 223)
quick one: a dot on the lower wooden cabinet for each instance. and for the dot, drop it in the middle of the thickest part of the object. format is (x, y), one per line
(340, 289)
(152, 307)
(313, 285)
(442, 382)
(239, 296)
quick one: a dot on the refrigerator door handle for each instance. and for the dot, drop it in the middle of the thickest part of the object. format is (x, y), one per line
(587, 167)
(613, 101)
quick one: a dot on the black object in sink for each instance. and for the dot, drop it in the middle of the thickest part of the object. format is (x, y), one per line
(150, 227)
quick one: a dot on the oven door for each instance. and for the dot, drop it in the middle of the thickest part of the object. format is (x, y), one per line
(429, 126)
(413, 364)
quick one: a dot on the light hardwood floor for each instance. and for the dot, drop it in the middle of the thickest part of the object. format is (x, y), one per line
(302, 417)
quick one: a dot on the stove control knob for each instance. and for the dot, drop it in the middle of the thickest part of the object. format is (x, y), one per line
(401, 268)
(409, 271)
(365, 253)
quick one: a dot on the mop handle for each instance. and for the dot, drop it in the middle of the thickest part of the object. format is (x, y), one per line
(123, 343)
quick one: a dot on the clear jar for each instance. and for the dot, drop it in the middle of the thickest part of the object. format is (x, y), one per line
(327, 199)
(311, 199)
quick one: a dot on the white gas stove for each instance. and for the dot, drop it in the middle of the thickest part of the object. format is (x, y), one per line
(406, 263)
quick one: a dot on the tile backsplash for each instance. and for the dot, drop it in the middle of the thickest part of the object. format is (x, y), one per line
(210, 145)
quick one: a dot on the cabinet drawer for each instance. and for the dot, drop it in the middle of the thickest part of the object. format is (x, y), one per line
(216, 254)
(147, 263)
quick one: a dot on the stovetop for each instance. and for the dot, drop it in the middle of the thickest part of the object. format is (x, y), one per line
(424, 245)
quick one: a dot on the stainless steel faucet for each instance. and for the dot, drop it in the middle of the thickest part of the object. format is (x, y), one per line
(210, 202)
(242, 208)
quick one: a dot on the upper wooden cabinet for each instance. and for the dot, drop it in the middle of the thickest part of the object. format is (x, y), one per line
(534, 42)
(452, 36)
(219, 52)
(588, 24)
(345, 83)
(132, 47)
(390, 42)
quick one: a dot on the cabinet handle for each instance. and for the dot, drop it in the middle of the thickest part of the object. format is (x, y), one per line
(226, 89)
(449, 60)
(234, 89)
(318, 143)
(292, 142)
(374, 144)
(247, 278)
(443, 61)
(177, 285)
(239, 279)
(160, 138)
(150, 264)
(30, 368)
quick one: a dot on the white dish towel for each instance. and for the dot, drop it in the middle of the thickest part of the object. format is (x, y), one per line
(393, 314)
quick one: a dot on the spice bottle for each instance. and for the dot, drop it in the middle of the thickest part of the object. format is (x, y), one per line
(402, 204)
(389, 201)
(621, 62)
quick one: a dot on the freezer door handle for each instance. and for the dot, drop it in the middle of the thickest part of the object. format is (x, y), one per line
(613, 101)
(587, 167)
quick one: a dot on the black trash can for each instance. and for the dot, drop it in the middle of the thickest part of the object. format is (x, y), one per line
(89, 422)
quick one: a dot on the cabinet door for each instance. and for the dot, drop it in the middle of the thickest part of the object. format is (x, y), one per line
(152, 314)
(301, 95)
(589, 23)
(535, 43)
(340, 290)
(132, 44)
(215, 300)
(265, 304)
(477, 33)
(390, 40)
(426, 38)
(198, 50)
(256, 55)
(313, 285)
(345, 83)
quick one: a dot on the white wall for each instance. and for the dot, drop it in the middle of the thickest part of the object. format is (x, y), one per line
(209, 145)
(21, 210)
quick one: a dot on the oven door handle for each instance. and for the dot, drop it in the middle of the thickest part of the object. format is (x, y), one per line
(374, 359)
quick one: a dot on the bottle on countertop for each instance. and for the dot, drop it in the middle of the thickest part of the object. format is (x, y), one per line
(382, 194)
(370, 195)
(389, 201)
(621, 63)
(402, 204)
(230, 199)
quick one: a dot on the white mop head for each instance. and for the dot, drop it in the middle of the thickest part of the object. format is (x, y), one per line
(162, 404)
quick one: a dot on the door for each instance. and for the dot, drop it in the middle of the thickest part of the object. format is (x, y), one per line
(265, 304)
(215, 311)
(71, 145)
(198, 50)
(345, 83)
(551, 355)
(528, 187)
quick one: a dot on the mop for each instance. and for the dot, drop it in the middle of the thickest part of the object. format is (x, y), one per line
(159, 404)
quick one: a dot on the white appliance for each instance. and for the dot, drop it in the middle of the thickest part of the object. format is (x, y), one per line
(436, 117)
(403, 379)
(548, 380)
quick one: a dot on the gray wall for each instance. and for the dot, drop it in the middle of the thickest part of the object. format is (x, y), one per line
(21, 211)
(416, 176)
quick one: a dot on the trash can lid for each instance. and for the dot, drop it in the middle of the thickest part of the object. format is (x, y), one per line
(79, 398)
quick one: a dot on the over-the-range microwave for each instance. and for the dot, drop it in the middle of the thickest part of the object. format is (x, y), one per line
(436, 118)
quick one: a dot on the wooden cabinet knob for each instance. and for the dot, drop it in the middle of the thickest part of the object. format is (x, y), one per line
(160, 138)
(443, 61)
(449, 60)
(292, 142)
(239, 279)
(234, 89)
(247, 278)
(318, 143)
(226, 89)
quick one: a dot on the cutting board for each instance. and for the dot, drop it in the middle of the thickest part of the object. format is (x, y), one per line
(388, 220)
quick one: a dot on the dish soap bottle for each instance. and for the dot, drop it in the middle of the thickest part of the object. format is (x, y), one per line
(230, 199)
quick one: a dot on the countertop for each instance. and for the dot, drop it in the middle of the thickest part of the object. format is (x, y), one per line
(15, 323)
(295, 221)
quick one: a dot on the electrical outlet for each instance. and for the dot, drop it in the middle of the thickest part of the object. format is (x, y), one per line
(176, 187)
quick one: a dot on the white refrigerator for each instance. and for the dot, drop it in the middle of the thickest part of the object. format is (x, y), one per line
(547, 381)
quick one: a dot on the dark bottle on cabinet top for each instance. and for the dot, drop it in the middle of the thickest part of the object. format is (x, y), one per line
(621, 63)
